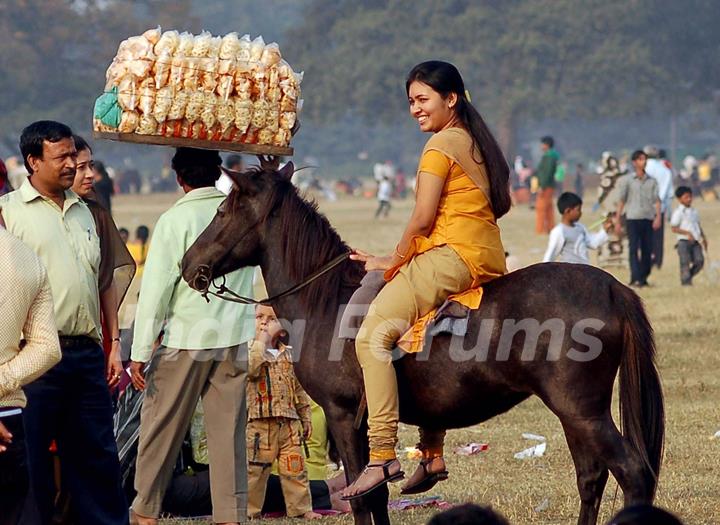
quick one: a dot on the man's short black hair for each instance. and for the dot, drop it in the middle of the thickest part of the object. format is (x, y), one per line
(81, 144)
(468, 514)
(33, 136)
(637, 154)
(567, 201)
(682, 190)
(548, 141)
(233, 162)
(198, 168)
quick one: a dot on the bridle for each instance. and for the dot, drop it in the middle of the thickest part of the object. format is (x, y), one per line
(203, 279)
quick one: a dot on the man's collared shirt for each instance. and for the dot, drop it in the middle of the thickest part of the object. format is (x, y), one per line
(686, 218)
(68, 245)
(168, 304)
(639, 196)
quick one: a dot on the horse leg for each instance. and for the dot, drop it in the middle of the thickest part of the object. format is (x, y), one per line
(592, 475)
(601, 438)
(354, 452)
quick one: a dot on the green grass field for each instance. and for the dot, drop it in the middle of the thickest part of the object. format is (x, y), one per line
(687, 326)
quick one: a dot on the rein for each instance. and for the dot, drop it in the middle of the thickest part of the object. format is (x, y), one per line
(203, 280)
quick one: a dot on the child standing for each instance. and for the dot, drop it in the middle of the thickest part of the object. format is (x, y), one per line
(278, 420)
(570, 240)
(685, 222)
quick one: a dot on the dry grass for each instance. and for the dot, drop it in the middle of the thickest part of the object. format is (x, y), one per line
(687, 323)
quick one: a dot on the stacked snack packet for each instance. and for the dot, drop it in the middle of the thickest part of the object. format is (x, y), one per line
(200, 87)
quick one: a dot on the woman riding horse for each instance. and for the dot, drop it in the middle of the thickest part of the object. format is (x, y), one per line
(450, 247)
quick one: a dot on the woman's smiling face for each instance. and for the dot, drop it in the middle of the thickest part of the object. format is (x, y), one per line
(427, 106)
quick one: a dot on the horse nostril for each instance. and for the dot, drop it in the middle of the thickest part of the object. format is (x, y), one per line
(202, 279)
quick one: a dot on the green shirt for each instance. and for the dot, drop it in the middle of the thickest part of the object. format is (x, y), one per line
(68, 245)
(166, 301)
(545, 172)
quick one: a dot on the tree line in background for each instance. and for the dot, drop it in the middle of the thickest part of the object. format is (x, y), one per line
(523, 60)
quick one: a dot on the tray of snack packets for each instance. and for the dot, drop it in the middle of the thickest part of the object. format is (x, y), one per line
(178, 89)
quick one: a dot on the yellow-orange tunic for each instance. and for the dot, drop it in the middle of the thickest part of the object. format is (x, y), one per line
(464, 221)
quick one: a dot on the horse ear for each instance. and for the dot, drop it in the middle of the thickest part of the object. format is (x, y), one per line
(240, 179)
(287, 171)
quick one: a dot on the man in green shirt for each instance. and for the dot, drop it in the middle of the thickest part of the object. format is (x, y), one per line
(202, 352)
(545, 173)
(71, 403)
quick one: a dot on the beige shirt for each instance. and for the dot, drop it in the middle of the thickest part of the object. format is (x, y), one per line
(27, 307)
(68, 245)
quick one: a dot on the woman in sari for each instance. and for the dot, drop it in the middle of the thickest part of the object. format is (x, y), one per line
(450, 247)
(117, 267)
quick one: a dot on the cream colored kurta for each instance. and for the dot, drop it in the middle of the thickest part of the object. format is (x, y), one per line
(68, 245)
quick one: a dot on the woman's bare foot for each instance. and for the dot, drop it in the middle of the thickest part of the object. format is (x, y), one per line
(310, 515)
(375, 474)
(426, 475)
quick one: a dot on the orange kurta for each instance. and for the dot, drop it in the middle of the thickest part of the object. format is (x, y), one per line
(465, 221)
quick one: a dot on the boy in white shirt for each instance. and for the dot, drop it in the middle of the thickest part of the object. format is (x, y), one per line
(570, 240)
(685, 222)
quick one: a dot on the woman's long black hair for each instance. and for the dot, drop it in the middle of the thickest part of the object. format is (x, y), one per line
(444, 78)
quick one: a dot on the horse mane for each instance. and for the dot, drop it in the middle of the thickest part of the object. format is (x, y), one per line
(308, 242)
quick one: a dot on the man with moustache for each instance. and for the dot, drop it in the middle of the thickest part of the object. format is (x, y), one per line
(71, 403)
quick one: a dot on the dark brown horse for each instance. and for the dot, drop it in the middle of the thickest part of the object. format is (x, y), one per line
(581, 327)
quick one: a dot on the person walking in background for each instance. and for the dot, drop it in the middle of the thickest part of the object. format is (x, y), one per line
(71, 403)
(27, 308)
(685, 222)
(139, 249)
(5, 186)
(545, 173)
(639, 200)
(658, 170)
(384, 195)
(579, 182)
(203, 354)
(569, 241)
(103, 186)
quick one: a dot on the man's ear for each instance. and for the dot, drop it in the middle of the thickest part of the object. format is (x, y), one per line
(287, 171)
(33, 162)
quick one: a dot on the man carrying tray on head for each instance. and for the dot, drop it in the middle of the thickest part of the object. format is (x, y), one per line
(203, 353)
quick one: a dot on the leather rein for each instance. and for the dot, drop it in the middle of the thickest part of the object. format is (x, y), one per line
(203, 280)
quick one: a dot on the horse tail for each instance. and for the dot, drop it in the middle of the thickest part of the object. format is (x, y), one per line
(642, 412)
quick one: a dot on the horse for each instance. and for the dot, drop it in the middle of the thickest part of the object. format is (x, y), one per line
(265, 222)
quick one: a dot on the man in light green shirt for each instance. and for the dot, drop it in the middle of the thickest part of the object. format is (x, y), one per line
(70, 403)
(202, 352)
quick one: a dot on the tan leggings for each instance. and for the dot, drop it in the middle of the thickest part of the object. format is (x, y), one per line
(421, 285)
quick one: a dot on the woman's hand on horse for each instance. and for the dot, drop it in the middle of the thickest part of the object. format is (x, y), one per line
(373, 262)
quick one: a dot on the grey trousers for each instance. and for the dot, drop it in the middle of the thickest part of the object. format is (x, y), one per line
(175, 381)
(691, 260)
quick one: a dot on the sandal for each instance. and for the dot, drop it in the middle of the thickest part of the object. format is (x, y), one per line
(428, 481)
(387, 478)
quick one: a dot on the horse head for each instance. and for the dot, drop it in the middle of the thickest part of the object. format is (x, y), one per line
(234, 238)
